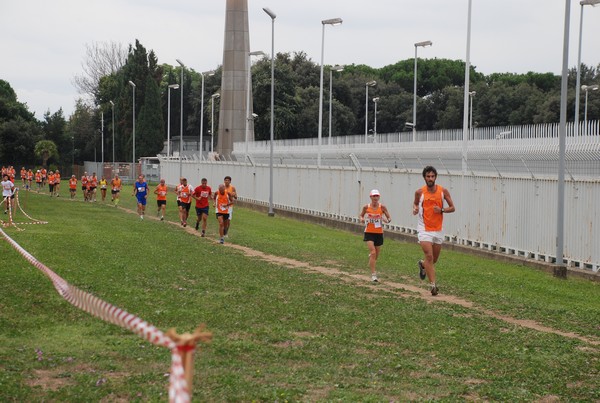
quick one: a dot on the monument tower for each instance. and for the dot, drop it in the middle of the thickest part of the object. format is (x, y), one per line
(234, 81)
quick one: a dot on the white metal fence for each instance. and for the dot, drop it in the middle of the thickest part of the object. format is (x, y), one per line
(513, 215)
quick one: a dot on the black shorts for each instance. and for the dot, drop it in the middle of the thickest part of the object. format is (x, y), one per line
(225, 216)
(201, 210)
(376, 238)
(114, 192)
(161, 203)
(84, 188)
(51, 186)
(186, 206)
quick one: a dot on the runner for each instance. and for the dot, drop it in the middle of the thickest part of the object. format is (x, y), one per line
(140, 190)
(201, 194)
(103, 186)
(73, 186)
(222, 204)
(184, 200)
(29, 179)
(374, 215)
(57, 183)
(93, 186)
(44, 177)
(230, 189)
(115, 189)
(161, 198)
(38, 181)
(24, 177)
(8, 193)
(429, 205)
(85, 181)
(51, 178)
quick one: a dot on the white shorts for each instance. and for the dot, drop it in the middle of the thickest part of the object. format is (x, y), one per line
(431, 236)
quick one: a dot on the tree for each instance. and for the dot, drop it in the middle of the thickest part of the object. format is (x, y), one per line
(150, 124)
(102, 59)
(45, 149)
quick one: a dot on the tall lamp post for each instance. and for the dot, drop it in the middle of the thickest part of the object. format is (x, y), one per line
(367, 85)
(181, 120)
(337, 67)
(375, 100)
(102, 140)
(112, 105)
(212, 118)
(587, 88)
(248, 98)
(174, 87)
(272, 135)
(133, 173)
(471, 96)
(578, 83)
(333, 22)
(414, 128)
(208, 73)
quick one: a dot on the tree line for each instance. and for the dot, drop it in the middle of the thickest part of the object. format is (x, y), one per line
(499, 99)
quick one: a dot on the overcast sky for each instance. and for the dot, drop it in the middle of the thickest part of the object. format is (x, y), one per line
(43, 42)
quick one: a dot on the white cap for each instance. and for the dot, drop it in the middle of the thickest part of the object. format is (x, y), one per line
(374, 192)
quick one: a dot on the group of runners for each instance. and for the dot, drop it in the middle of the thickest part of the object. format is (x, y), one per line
(41, 177)
(430, 204)
(223, 200)
(90, 185)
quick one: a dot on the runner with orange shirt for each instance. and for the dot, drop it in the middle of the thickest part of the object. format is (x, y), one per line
(222, 204)
(184, 200)
(85, 185)
(24, 177)
(116, 185)
(429, 206)
(73, 186)
(161, 198)
(374, 215)
(201, 194)
(51, 178)
(93, 186)
(29, 179)
(38, 181)
(57, 183)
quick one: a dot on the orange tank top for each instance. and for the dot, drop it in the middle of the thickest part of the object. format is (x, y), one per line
(161, 192)
(374, 220)
(432, 221)
(223, 203)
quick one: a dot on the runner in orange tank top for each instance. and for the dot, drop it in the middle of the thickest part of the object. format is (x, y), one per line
(374, 215)
(161, 198)
(222, 203)
(73, 186)
(429, 206)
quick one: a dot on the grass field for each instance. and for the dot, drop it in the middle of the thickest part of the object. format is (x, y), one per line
(293, 314)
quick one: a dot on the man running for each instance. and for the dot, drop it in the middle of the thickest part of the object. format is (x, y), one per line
(429, 205)
(222, 204)
(73, 186)
(184, 200)
(116, 185)
(140, 190)
(201, 194)
(8, 192)
(85, 185)
(232, 192)
(161, 198)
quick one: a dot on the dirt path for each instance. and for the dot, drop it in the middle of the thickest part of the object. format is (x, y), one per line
(400, 289)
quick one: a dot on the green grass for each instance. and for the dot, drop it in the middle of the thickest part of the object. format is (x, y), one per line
(280, 333)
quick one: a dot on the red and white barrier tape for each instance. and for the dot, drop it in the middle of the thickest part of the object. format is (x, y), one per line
(25, 214)
(178, 389)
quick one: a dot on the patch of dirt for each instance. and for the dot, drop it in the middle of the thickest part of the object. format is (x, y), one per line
(403, 290)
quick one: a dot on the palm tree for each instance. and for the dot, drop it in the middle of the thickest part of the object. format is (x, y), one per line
(45, 149)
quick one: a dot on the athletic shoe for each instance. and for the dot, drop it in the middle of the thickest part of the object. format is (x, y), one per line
(422, 273)
(184, 224)
(197, 225)
(434, 290)
(203, 234)
(141, 217)
(374, 278)
(162, 218)
(222, 241)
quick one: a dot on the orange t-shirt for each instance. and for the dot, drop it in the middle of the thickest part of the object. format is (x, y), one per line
(223, 202)
(373, 219)
(185, 193)
(73, 183)
(51, 178)
(161, 192)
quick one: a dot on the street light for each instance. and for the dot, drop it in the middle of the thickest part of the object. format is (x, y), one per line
(112, 105)
(577, 84)
(414, 128)
(375, 100)
(273, 16)
(587, 88)
(181, 120)
(333, 22)
(248, 98)
(334, 68)
(102, 138)
(212, 118)
(471, 96)
(172, 86)
(133, 136)
(367, 85)
(208, 73)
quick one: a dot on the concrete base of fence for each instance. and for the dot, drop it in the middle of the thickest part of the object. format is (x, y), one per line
(412, 238)
(560, 271)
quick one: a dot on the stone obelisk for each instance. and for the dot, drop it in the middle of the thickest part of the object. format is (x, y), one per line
(234, 82)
